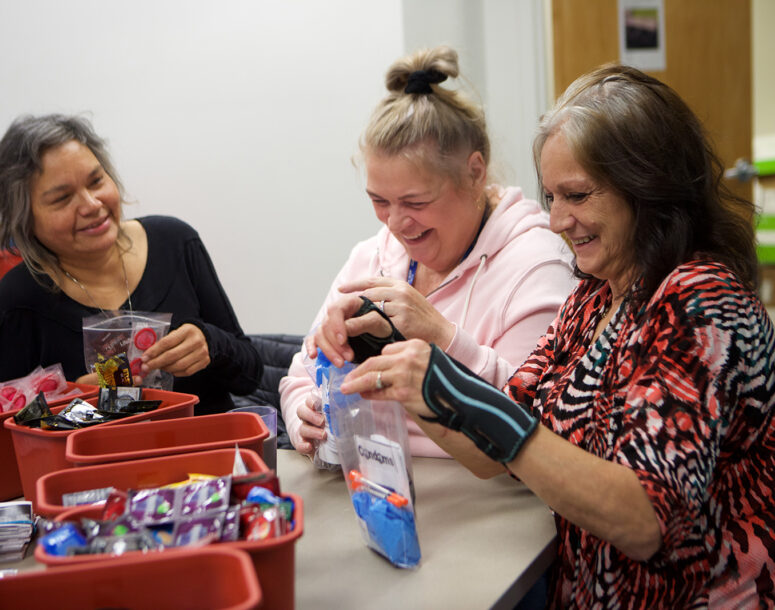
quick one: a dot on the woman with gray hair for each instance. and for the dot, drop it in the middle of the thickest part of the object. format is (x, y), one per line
(61, 210)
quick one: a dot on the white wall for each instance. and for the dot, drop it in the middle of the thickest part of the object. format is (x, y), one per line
(501, 48)
(241, 116)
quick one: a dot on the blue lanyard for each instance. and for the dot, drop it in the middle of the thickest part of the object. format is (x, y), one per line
(412, 272)
(413, 263)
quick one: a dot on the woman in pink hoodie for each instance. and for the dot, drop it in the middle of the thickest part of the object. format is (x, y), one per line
(465, 264)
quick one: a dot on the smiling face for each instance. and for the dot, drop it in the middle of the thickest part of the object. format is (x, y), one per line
(433, 218)
(596, 220)
(76, 206)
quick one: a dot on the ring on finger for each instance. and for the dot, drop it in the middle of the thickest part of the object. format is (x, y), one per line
(382, 305)
(379, 384)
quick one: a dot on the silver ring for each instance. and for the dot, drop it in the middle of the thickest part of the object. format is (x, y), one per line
(379, 380)
(382, 305)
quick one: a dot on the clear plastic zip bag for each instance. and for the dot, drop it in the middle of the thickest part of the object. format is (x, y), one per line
(373, 448)
(130, 333)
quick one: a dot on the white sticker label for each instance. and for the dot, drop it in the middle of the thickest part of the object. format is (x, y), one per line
(382, 461)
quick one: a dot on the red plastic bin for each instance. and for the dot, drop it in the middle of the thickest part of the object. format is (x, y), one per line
(100, 445)
(137, 474)
(39, 452)
(10, 483)
(274, 560)
(210, 577)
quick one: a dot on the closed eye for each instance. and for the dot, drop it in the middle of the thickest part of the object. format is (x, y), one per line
(62, 198)
(578, 197)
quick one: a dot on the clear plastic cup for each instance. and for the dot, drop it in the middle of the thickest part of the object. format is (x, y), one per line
(269, 414)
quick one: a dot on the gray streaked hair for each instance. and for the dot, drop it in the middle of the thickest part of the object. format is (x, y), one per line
(21, 152)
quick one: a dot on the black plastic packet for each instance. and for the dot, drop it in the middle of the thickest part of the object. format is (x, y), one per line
(366, 345)
(123, 402)
(31, 414)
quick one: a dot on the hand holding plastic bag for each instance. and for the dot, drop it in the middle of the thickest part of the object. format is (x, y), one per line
(373, 446)
(128, 332)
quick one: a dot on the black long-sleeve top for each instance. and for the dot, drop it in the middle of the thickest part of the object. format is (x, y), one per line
(42, 327)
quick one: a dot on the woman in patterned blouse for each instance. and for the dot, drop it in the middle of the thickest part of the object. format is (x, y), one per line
(653, 387)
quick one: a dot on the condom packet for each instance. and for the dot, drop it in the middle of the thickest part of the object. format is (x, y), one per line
(118, 545)
(87, 496)
(230, 531)
(166, 504)
(113, 371)
(17, 393)
(120, 402)
(202, 496)
(63, 539)
(13, 396)
(261, 522)
(130, 333)
(199, 529)
(122, 525)
(78, 414)
(152, 506)
(32, 414)
(81, 413)
(115, 504)
(263, 498)
(50, 380)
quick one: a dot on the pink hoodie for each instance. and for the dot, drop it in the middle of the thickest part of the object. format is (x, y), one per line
(501, 297)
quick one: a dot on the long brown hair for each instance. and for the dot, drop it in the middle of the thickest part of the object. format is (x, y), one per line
(635, 135)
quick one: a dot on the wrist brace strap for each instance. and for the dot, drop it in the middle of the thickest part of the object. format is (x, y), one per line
(367, 345)
(464, 402)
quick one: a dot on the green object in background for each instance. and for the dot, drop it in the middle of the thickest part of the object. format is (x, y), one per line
(765, 238)
(765, 168)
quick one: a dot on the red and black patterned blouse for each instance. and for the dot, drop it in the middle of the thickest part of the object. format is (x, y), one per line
(681, 392)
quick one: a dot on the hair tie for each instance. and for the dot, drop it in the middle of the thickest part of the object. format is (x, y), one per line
(420, 81)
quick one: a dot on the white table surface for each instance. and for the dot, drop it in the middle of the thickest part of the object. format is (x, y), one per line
(483, 542)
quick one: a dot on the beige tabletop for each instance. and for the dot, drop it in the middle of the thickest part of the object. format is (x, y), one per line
(483, 543)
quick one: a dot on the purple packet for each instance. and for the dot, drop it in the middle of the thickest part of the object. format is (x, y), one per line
(230, 531)
(118, 545)
(205, 495)
(199, 529)
(119, 527)
(152, 505)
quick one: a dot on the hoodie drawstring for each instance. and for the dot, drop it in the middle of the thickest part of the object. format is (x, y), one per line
(482, 260)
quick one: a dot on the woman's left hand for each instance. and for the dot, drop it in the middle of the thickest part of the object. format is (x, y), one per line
(182, 352)
(397, 374)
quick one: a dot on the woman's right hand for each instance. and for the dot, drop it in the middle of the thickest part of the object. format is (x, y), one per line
(312, 429)
(408, 310)
(331, 336)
